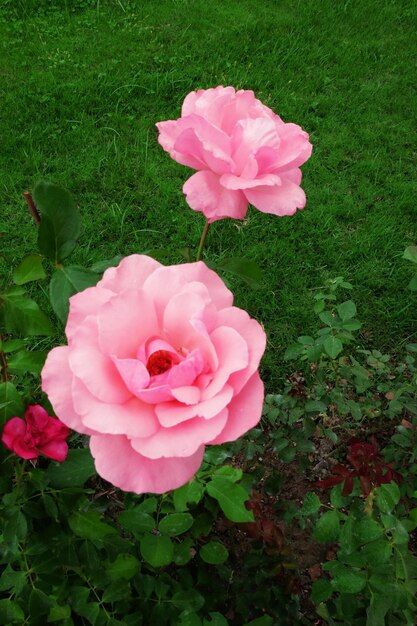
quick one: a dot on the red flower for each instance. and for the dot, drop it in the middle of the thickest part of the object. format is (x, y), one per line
(39, 434)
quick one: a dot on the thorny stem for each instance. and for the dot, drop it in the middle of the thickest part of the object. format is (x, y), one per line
(32, 207)
(203, 241)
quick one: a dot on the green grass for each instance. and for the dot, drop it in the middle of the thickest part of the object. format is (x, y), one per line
(84, 81)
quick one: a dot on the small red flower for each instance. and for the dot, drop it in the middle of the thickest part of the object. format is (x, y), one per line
(39, 434)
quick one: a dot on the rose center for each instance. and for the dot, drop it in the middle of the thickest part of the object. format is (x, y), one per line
(159, 362)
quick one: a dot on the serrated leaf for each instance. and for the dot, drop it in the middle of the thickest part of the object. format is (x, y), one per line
(315, 406)
(125, 566)
(60, 221)
(59, 613)
(27, 361)
(88, 525)
(321, 590)
(190, 493)
(30, 268)
(367, 530)
(327, 527)
(176, 524)
(12, 580)
(387, 497)
(188, 599)
(231, 473)
(245, 269)
(10, 613)
(157, 550)
(137, 521)
(346, 310)
(77, 469)
(333, 346)
(65, 282)
(214, 553)
(347, 580)
(22, 315)
(311, 504)
(11, 403)
(231, 498)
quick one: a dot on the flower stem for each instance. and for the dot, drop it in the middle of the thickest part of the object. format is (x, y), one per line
(32, 207)
(202, 241)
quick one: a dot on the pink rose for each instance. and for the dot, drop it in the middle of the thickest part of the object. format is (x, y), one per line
(39, 434)
(159, 363)
(244, 152)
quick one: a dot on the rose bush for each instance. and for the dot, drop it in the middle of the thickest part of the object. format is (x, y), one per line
(244, 152)
(158, 363)
(39, 434)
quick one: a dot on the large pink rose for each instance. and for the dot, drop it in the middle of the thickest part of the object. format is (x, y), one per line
(244, 152)
(158, 364)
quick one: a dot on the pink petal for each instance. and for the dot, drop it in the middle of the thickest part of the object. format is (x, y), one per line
(202, 140)
(94, 368)
(117, 462)
(232, 354)
(56, 450)
(250, 135)
(134, 373)
(182, 440)
(57, 381)
(236, 182)
(186, 372)
(284, 199)
(295, 148)
(83, 304)
(155, 395)
(130, 274)
(24, 450)
(208, 103)
(166, 282)
(169, 132)
(245, 411)
(133, 418)
(14, 428)
(36, 417)
(172, 413)
(254, 336)
(187, 395)
(205, 193)
(125, 323)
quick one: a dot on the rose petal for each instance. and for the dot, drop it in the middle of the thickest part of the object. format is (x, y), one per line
(56, 450)
(232, 355)
(205, 193)
(36, 417)
(172, 413)
(131, 273)
(245, 411)
(117, 462)
(56, 383)
(83, 304)
(284, 199)
(14, 428)
(181, 440)
(134, 374)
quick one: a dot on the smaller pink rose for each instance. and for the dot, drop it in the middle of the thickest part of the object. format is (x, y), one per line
(243, 153)
(39, 434)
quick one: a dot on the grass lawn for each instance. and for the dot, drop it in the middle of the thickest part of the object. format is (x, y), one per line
(84, 81)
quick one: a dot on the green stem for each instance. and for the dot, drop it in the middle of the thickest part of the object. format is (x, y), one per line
(203, 241)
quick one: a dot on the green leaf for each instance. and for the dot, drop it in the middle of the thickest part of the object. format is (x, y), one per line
(311, 504)
(88, 525)
(387, 496)
(27, 361)
(176, 524)
(188, 599)
(327, 318)
(190, 493)
(412, 285)
(11, 403)
(347, 580)
(231, 498)
(214, 553)
(30, 268)
(321, 590)
(346, 310)
(327, 527)
(233, 474)
(315, 406)
(78, 467)
(367, 530)
(101, 266)
(184, 551)
(245, 269)
(39, 605)
(59, 613)
(216, 619)
(65, 282)
(60, 221)
(293, 351)
(136, 521)
(13, 345)
(125, 566)
(10, 613)
(11, 580)
(157, 550)
(333, 346)
(117, 590)
(22, 315)
(410, 254)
